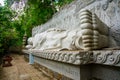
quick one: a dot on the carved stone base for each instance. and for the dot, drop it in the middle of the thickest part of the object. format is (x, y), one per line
(79, 65)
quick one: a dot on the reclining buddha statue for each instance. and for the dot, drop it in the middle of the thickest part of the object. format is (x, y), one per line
(90, 35)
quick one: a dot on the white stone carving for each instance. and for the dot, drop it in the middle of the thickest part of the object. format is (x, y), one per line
(73, 57)
(95, 32)
(106, 57)
(91, 34)
(30, 43)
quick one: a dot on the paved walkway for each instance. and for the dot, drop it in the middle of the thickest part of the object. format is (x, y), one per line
(21, 70)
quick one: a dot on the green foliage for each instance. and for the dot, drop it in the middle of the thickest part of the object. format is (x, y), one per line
(36, 13)
(64, 2)
(8, 33)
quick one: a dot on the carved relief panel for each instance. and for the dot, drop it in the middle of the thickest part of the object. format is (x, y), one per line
(68, 18)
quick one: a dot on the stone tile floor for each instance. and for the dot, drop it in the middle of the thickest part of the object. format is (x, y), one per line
(21, 70)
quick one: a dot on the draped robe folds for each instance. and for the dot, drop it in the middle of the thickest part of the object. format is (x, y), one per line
(56, 39)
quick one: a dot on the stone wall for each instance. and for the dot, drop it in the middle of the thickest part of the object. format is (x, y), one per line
(68, 18)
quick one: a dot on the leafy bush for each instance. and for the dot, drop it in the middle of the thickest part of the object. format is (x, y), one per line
(8, 33)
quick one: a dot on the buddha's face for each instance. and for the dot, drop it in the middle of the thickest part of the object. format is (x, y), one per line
(30, 40)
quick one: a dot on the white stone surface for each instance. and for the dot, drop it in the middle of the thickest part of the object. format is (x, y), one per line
(68, 17)
(87, 36)
(105, 57)
(70, 71)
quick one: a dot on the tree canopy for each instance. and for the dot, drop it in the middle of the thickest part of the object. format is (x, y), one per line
(8, 33)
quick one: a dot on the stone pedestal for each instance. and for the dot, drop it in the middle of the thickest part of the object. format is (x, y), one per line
(80, 65)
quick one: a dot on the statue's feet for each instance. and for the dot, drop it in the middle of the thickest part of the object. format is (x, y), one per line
(94, 31)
